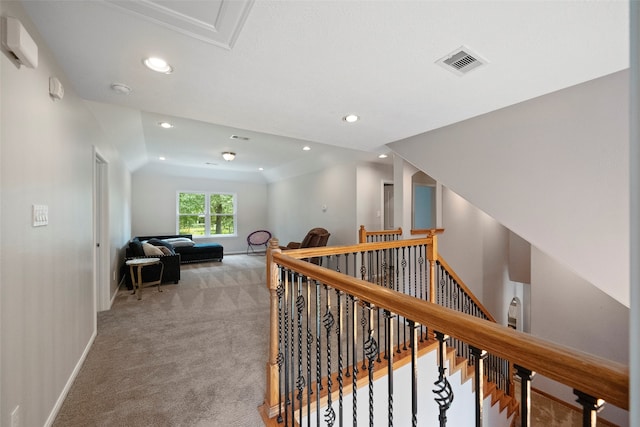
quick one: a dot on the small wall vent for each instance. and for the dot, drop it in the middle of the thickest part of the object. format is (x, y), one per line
(461, 61)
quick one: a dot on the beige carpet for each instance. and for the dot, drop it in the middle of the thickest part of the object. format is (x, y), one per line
(192, 355)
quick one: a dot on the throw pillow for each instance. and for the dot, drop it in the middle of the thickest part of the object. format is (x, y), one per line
(151, 250)
(136, 247)
(178, 242)
(162, 243)
(165, 250)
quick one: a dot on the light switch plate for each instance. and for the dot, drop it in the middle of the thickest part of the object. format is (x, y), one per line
(40, 215)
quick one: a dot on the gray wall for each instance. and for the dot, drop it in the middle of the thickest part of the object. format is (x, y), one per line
(296, 205)
(47, 297)
(553, 169)
(154, 205)
(370, 179)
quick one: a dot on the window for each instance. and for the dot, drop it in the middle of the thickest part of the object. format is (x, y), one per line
(206, 214)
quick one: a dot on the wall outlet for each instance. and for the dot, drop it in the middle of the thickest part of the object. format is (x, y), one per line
(15, 417)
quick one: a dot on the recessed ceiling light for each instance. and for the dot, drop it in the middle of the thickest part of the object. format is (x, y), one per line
(260, 169)
(162, 158)
(158, 64)
(165, 125)
(382, 156)
(306, 148)
(350, 118)
(228, 156)
(121, 88)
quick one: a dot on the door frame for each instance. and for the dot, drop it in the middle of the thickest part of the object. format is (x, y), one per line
(102, 300)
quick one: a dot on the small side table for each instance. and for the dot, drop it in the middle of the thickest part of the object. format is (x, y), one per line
(140, 263)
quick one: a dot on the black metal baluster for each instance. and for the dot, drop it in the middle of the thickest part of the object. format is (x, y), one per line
(403, 263)
(340, 361)
(525, 376)
(346, 263)
(397, 288)
(443, 391)
(329, 321)
(318, 354)
(388, 338)
(590, 408)
(280, 293)
(309, 342)
(414, 372)
(479, 357)
(354, 343)
(292, 333)
(300, 380)
(286, 347)
(371, 349)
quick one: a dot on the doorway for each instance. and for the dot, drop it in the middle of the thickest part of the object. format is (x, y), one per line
(387, 204)
(100, 234)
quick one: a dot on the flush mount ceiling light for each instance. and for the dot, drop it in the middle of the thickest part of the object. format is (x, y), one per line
(121, 88)
(228, 156)
(382, 156)
(260, 169)
(165, 125)
(306, 148)
(162, 158)
(158, 64)
(351, 118)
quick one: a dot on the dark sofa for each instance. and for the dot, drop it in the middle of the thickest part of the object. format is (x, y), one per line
(171, 273)
(196, 253)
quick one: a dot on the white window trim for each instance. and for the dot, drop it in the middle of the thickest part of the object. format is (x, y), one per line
(207, 213)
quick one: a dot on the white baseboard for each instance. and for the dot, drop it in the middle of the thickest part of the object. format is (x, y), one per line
(72, 378)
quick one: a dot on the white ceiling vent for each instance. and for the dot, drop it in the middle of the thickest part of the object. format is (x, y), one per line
(461, 61)
(240, 138)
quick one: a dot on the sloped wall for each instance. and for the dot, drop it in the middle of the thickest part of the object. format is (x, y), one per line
(553, 169)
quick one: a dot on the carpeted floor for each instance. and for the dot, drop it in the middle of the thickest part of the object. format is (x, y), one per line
(192, 355)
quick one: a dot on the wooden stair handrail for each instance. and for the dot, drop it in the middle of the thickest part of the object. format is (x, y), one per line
(363, 233)
(464, 287)
(349, 249)
(599, 377)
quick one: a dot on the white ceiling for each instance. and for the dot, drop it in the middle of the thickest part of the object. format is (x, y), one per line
(284, 73)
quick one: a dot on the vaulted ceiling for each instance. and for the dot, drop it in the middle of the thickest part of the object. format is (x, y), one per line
(285, 73)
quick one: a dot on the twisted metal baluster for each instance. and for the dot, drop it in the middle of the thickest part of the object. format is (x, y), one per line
(346, 263)
(371, 349)
(340, 361)
(329, 321)
(318, 357)
(397, 288)
(354, 343)
(423, 287)
(309, 342)
(388, 338)
(403, 263)
(443, 389)
(286, 349)
(300, 380)
(414, 372)
(292, 334)
(363, 323)
(280, 293)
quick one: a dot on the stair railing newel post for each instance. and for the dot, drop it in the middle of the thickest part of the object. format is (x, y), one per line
(274, 364)
(590, 408)
(479, 358)
(525, 376)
